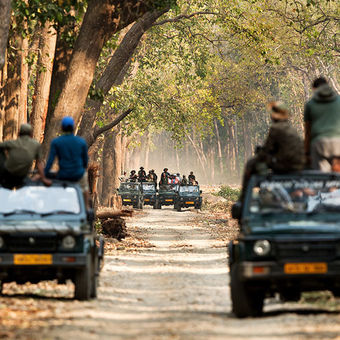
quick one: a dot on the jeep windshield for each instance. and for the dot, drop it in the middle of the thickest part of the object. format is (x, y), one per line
(129, 187)
(299, 196)
(149, 187)
(189, 189)
(39, 200)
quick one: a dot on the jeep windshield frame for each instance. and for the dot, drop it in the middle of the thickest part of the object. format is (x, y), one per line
(189, 190)
(292, 197)
(40, 200)
(128, 187)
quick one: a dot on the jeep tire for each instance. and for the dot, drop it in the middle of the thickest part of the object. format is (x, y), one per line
(245, 302)
(83, 281)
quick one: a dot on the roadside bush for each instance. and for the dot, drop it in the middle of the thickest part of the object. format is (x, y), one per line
(229, 193)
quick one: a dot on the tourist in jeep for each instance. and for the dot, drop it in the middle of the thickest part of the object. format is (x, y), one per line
(141, 175)
(17, 157)
(283, 150)
(192, 178)
(133, 176)
(71, 152)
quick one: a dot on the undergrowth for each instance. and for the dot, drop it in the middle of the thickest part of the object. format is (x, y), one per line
(229, 193)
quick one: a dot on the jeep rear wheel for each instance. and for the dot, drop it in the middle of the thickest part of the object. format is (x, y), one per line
(83, 281)
(178, 207)
(245, 302)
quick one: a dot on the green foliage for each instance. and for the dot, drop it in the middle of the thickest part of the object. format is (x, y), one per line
(229, 193)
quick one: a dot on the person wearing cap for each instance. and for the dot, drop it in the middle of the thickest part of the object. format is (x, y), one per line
(164, 177)
(141, 175)
(17, 157)
(322, 126)
(71, 152)
(283, 150)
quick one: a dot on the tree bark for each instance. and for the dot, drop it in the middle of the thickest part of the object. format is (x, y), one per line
(5, 19)
(15, 89)
(102, 19)
(3, 80)
(111, 164)
(47, 45)
(115, 71)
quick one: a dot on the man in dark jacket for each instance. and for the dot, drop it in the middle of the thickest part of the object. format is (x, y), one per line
(282, 151)
(17, 157)
(322, 126)
(71, 152)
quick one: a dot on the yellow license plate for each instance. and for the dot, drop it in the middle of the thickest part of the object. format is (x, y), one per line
(189, 202)
(306, 268)
(168, 200)
(126, 200)
(32, 259)
(146, 200)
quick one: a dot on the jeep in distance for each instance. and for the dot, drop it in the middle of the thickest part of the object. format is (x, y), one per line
(289, 241)
(188, 196)
(131, 194)
(150, 194)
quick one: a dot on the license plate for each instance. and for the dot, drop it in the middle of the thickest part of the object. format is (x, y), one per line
(168, 200)
(306, 268)
(189, 202)
(146, 200)
(32, 259)
(126, 200)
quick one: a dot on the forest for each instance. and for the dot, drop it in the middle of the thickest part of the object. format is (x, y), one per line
(164, 83)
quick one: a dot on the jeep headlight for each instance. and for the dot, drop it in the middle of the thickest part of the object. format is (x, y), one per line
(68, 242)
(2, 242)
(262, 247)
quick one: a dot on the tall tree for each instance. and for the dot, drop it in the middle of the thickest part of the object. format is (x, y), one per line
(5, 19)
(102, 19)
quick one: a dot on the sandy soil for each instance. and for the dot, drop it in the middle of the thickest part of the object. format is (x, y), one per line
(172, 283)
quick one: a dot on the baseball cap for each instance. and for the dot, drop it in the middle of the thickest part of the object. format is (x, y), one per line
(67, 122)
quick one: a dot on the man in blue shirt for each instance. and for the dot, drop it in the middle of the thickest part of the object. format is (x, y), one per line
(71, 152)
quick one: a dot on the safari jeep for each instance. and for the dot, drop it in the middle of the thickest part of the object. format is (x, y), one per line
(131, 194)
(166, 195)
(188, 196)
(46, 234)
(150, 194)
(289, 241)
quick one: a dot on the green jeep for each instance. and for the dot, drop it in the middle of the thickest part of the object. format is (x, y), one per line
(166, 195)
(188, 196)
(150, 194)
(289, 240)
(131, 194)
(46, 234)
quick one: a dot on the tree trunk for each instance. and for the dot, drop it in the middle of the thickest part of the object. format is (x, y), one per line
(115, 71)
(102, 19)
(5, 19)
(219, 148)
(47, 46)
(3, 80)
(15, 89)
(111, 165)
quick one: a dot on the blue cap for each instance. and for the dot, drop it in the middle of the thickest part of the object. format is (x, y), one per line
(67, 122)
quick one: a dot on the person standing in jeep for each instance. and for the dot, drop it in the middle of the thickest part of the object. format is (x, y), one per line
(322, 126)
(282, 151)
(71, 152)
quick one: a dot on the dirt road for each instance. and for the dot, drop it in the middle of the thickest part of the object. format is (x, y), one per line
(173, 285)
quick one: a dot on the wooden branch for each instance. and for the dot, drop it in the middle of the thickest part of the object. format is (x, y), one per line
(109, 126)
(182, 16)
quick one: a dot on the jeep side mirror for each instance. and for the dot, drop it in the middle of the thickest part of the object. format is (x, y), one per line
(117, 189)
(200, 191)
(236, 210)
